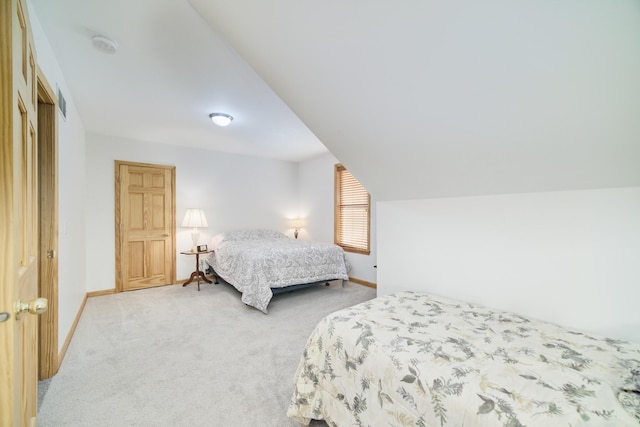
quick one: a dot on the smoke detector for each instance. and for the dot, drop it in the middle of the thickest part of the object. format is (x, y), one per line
(104, 44)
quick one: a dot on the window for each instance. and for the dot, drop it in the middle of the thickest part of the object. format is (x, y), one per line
(352, 218)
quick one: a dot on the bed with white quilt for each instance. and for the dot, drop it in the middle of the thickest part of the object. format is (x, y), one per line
(259, 263)
(413, 359)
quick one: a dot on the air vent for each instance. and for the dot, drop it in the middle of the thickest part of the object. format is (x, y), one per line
(62, 104)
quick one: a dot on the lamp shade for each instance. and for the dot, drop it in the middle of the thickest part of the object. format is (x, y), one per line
(195, 218)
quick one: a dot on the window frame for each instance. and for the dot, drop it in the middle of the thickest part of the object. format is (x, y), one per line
(338, 218)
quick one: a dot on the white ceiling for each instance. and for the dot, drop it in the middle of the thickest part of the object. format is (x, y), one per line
(418, 98)
(170, 71)
(440, 98)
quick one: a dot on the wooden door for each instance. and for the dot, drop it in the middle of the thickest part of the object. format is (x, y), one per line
(145, 224)
(48, 231)
(18, 218)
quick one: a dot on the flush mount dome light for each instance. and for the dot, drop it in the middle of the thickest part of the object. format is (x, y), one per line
(104, 44)
(221, 119)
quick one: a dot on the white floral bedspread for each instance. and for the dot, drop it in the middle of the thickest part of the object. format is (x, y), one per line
(412, 359)
(254, 261)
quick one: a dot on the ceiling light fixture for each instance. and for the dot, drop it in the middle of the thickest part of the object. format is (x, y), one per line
(104, 44)
(221, 119)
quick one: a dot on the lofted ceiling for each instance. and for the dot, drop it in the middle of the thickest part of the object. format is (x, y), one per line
(441, 98)
(170, 71)
(418, 98)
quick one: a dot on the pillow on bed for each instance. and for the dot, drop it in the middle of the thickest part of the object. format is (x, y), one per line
(252, 235)
(215, 241)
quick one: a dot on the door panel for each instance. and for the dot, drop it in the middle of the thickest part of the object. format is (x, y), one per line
(157, 266)
(18, 216)
(136, 261)
(158, 219)
(135, 212)
(145, 219)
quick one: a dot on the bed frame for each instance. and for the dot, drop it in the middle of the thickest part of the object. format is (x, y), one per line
(282, 290)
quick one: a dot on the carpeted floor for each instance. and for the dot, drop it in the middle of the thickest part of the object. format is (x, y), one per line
(173, 356)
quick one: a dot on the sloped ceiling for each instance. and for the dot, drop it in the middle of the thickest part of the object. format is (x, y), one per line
(439, 98)
(171, 70)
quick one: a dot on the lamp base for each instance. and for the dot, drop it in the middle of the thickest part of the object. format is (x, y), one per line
(195, 236)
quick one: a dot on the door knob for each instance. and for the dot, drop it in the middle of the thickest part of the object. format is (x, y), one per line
(35, 306)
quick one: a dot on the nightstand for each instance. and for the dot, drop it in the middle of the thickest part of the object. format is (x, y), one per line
(197, 275)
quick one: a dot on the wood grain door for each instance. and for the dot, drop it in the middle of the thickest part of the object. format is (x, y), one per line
(145, 225)
(48, 209)
(18, 218)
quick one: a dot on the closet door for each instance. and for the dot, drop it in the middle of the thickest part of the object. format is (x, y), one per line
(145, 224)
(19, 251)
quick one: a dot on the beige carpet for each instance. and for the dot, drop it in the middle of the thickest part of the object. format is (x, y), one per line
(173, 356)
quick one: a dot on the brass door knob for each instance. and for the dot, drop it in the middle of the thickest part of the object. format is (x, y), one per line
(35, 306)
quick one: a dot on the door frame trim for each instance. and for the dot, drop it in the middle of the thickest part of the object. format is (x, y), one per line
(118, 220)
(48, 356)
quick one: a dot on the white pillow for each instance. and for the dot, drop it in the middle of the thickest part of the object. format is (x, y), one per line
(257, 234)
(215, 241)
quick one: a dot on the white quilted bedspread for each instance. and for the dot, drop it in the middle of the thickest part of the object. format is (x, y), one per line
(254, 261)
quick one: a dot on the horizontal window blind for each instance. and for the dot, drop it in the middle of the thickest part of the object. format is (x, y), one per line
(351, 213)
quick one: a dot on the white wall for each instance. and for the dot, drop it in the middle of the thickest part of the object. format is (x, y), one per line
(71, 196)
(235, 192)
(316, 186)
(572, 258)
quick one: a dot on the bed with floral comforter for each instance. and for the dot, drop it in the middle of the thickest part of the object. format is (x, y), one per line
(257, 261)
(413, 359)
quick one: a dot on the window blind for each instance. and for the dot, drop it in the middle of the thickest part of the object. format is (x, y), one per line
(352, 215)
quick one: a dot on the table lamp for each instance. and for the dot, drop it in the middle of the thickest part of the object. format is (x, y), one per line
(195, 218)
